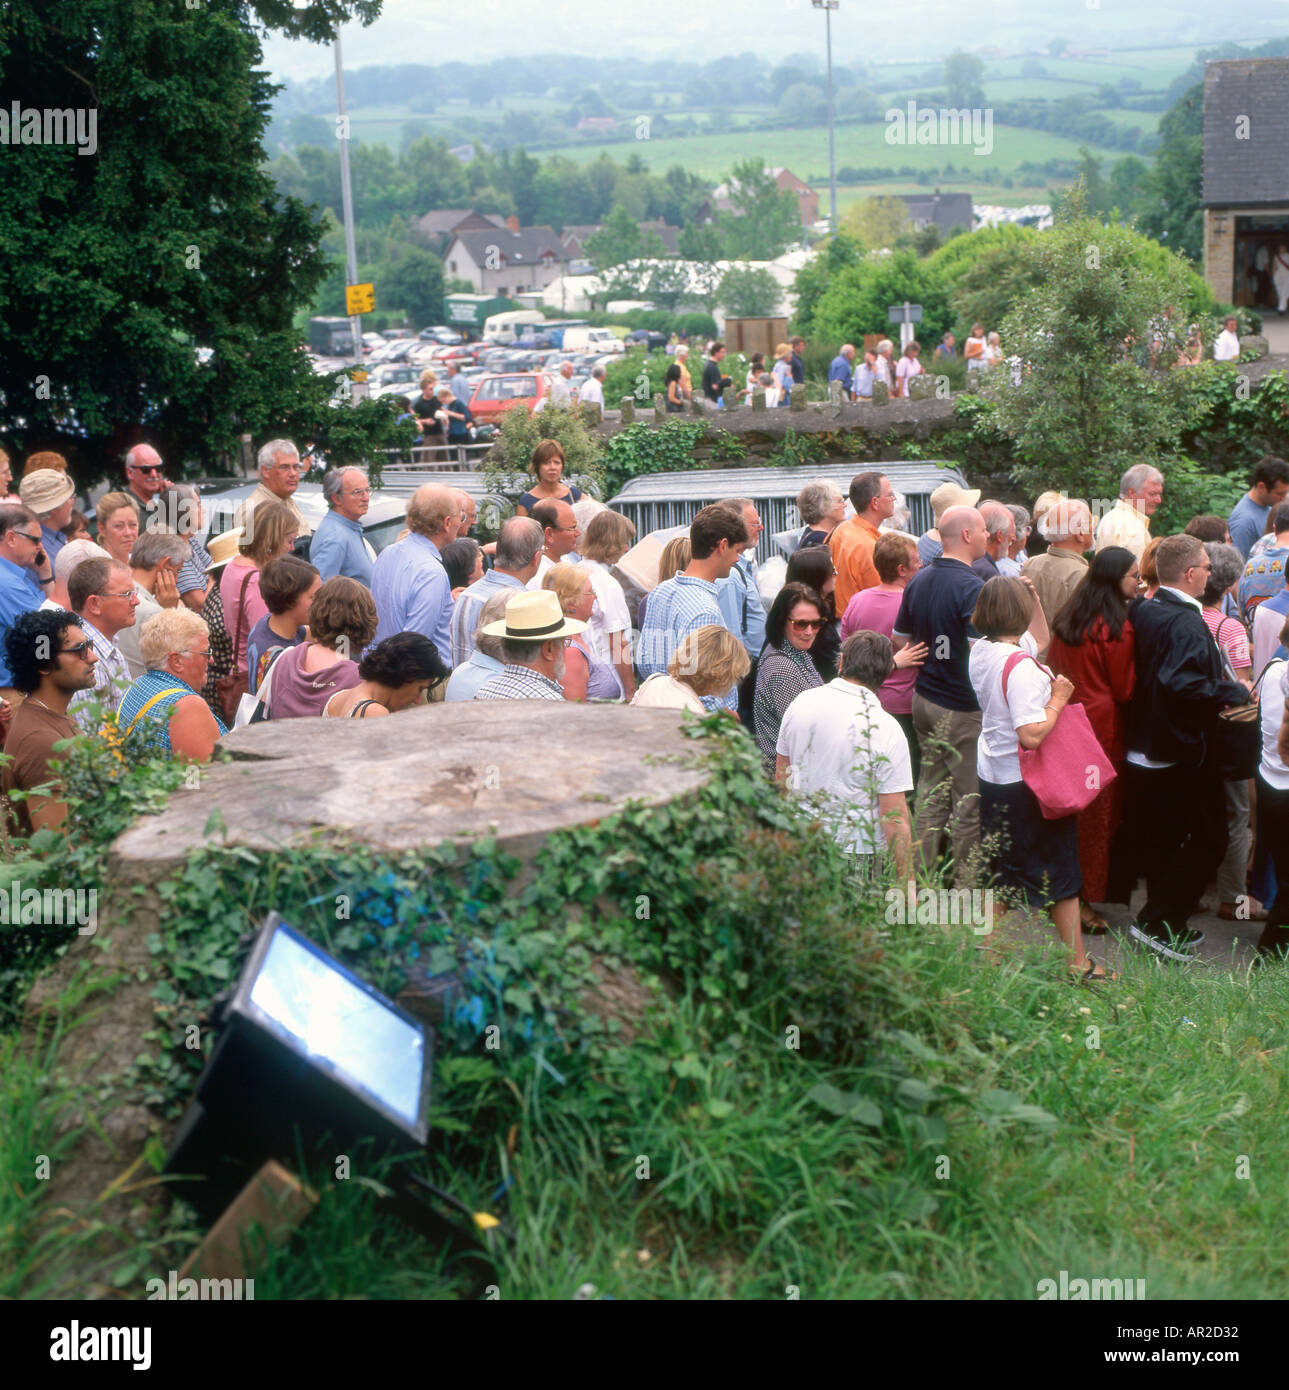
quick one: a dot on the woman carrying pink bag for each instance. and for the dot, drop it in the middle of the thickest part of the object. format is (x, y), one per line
(1029, 802)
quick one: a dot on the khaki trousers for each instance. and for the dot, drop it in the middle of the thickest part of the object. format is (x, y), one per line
(948, 801)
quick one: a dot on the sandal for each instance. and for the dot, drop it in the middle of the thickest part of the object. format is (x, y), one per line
(1091, 920)
(1093, 974)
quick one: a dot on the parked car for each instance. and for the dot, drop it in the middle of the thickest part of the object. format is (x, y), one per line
(222, 497)
(496, 393)
(372, 341)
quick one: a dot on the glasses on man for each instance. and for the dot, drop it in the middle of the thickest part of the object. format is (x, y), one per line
(147, 467)
(27, 536)
(205, 656)
(79, 650)
(128, 593)
(358, 492)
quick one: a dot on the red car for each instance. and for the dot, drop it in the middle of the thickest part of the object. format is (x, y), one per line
(495, 394)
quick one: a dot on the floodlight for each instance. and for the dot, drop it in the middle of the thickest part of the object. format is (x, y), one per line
(306, 1051)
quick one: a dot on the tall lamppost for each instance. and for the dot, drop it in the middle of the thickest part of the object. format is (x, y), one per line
(828, 6)
(346, 196)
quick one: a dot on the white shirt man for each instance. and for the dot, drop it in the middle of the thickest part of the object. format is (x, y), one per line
(1227, 347)
(1127, 523)
(562, 392)
(838, 744)
(593, 390)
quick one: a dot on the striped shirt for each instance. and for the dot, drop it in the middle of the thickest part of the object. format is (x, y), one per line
(677, 607)
(111, 680)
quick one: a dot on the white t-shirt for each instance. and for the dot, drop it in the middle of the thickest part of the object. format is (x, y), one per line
(1029, 689)
(907, 367)
(1227, 347)
(543, 565)
(610, 613)
(661, 691)
(845, 749)
(592, 391)
(1272, 695)
(1267, 626)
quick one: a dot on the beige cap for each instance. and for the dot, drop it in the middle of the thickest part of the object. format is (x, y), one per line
(534, 617)
(951, 495)
(76, 553)
(222, 548)
(45, 490)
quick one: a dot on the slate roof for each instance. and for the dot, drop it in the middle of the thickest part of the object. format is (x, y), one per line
(1254, 169)
(946, 210)
(524, 247)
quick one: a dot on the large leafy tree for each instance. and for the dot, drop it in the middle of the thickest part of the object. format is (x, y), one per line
(858, 298)
(1083, 404)
(1171, 212)
(116, 266)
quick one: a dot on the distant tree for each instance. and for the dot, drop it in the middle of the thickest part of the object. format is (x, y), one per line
(414, 283)
(748, 292)
(857, 300)
(764, 218)
(963, 75)
(1057, 46)
(857, 102)
(620, 240)
(309, 130)
(803, 103)
(589, 102)
(1172, 213)
(836, 254)
(877, 221)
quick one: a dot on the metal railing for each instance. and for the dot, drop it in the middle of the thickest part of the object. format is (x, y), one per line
(442, 458)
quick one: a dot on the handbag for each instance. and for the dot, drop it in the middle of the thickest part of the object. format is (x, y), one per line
(1237, 734)
(254, 709)
(1069, 769)
(233, 686)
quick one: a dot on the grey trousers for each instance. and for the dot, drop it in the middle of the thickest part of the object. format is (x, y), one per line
(948, 802)
(1232, 871)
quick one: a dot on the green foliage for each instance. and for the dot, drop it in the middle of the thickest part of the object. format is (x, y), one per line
(797, 449)
(1170, 208)
(642, 448)
(963, 74)
(989, 271)
(748, 292)
(620, 240)
(169, 238)
(1084, 409)
(505, 466)
(414, 283)
(857, 300)
(636, 373)
(836, 254)
(727, 447)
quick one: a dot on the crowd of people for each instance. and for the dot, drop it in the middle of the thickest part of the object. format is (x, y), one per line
(907, 684)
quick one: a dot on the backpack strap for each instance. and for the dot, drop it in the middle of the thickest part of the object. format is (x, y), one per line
(159, 696)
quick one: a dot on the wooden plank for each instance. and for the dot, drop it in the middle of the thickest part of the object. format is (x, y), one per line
(274, 1199)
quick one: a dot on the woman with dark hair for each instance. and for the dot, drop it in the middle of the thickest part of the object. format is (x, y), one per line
(342, 622)
(547, 465)
(814, 568)
(785, 669)
(394, 674)
(1020, 701)
(1092, 645)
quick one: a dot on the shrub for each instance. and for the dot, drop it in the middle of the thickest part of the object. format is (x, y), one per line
(505, 467)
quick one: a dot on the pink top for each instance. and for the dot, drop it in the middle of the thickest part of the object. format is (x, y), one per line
(1230, 636)
(874, 610)
(230, 589)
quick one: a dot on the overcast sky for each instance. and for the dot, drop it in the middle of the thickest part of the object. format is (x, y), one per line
(437, 31)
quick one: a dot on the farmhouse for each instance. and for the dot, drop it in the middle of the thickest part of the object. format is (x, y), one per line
(1246, 177)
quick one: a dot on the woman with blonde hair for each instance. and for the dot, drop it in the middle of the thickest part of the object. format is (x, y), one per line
(608, 538)
(676, 555)
(547, 466)
(7, 494)
(271, 533)
(117, 523)
(586, 677)
(708, 662)
(1149, 570)
(782, 371)
(164, 701)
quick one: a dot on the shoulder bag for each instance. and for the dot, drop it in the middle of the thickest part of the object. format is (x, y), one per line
(1069, 769)
(233, 686)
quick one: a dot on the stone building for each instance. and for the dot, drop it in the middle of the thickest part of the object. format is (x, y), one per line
(1246, 177)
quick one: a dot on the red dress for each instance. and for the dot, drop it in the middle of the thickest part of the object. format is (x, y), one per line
(1104, 676)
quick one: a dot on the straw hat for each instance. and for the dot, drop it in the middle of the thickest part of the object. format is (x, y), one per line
(535, 617)
(45, 490)
(222, 548)
(951, 495)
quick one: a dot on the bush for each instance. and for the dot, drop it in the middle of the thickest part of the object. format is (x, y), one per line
(505, 467)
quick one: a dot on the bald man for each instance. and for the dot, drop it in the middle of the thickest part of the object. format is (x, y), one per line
(409, 582)
(145, 481)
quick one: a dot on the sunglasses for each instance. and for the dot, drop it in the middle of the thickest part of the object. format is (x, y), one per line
(78, 650)
(146, 468)
(805, 624)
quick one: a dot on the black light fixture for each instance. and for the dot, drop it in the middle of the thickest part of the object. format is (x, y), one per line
(308, 1054)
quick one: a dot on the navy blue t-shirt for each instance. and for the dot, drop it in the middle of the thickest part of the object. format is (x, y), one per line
(938, 604)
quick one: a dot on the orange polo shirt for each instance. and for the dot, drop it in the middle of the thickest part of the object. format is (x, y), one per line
(851, 545)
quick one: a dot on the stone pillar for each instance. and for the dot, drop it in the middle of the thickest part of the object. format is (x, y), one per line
(628, 408)
(591, 413)
(698, 405)
(758, 398)
(730, 399)
(834, 392)
(659, 408)
(880, 394)
(797, 398)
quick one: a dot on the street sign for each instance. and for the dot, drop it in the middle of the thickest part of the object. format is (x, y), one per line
(904, 313)
(360, 299)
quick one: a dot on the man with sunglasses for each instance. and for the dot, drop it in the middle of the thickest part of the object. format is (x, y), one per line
(145, 481)
(20, 552)
(51, 658)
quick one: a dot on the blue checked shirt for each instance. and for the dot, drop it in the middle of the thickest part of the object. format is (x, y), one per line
(519, 683)
(469, 605)
(741, 608)
(676, 608)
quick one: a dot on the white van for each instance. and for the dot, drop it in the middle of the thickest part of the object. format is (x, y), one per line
(592, 340)
(505, 328)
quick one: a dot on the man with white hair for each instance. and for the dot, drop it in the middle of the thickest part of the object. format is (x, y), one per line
(562, 392)
(519, 552)
(883, 369)
(1127, 523)
(409, 582)
(280, 469)
(145, 481)
(593, 390)
(74, 553)
(839, 369)
(1067, 528)
(339, 546)
(1000, 531)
